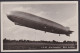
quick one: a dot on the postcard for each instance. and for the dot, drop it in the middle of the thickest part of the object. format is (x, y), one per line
(39, 26)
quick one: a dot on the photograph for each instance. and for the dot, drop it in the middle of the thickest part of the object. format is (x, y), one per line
(39, 26)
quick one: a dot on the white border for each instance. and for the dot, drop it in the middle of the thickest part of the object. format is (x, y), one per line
(36, 2)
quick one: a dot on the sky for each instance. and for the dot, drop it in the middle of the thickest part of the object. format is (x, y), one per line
(65, 14)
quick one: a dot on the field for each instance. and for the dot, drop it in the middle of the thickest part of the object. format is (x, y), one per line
(37, 46)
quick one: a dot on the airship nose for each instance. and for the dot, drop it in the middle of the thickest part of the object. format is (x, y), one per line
(9, 15)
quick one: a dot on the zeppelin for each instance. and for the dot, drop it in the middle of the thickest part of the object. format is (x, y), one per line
(38, 23)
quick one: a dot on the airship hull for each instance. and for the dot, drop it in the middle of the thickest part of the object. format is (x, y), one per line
(36, 22)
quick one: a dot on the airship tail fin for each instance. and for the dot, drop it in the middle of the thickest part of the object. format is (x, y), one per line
(70, 32)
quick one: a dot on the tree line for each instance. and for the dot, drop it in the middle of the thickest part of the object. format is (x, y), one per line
(41, 41)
